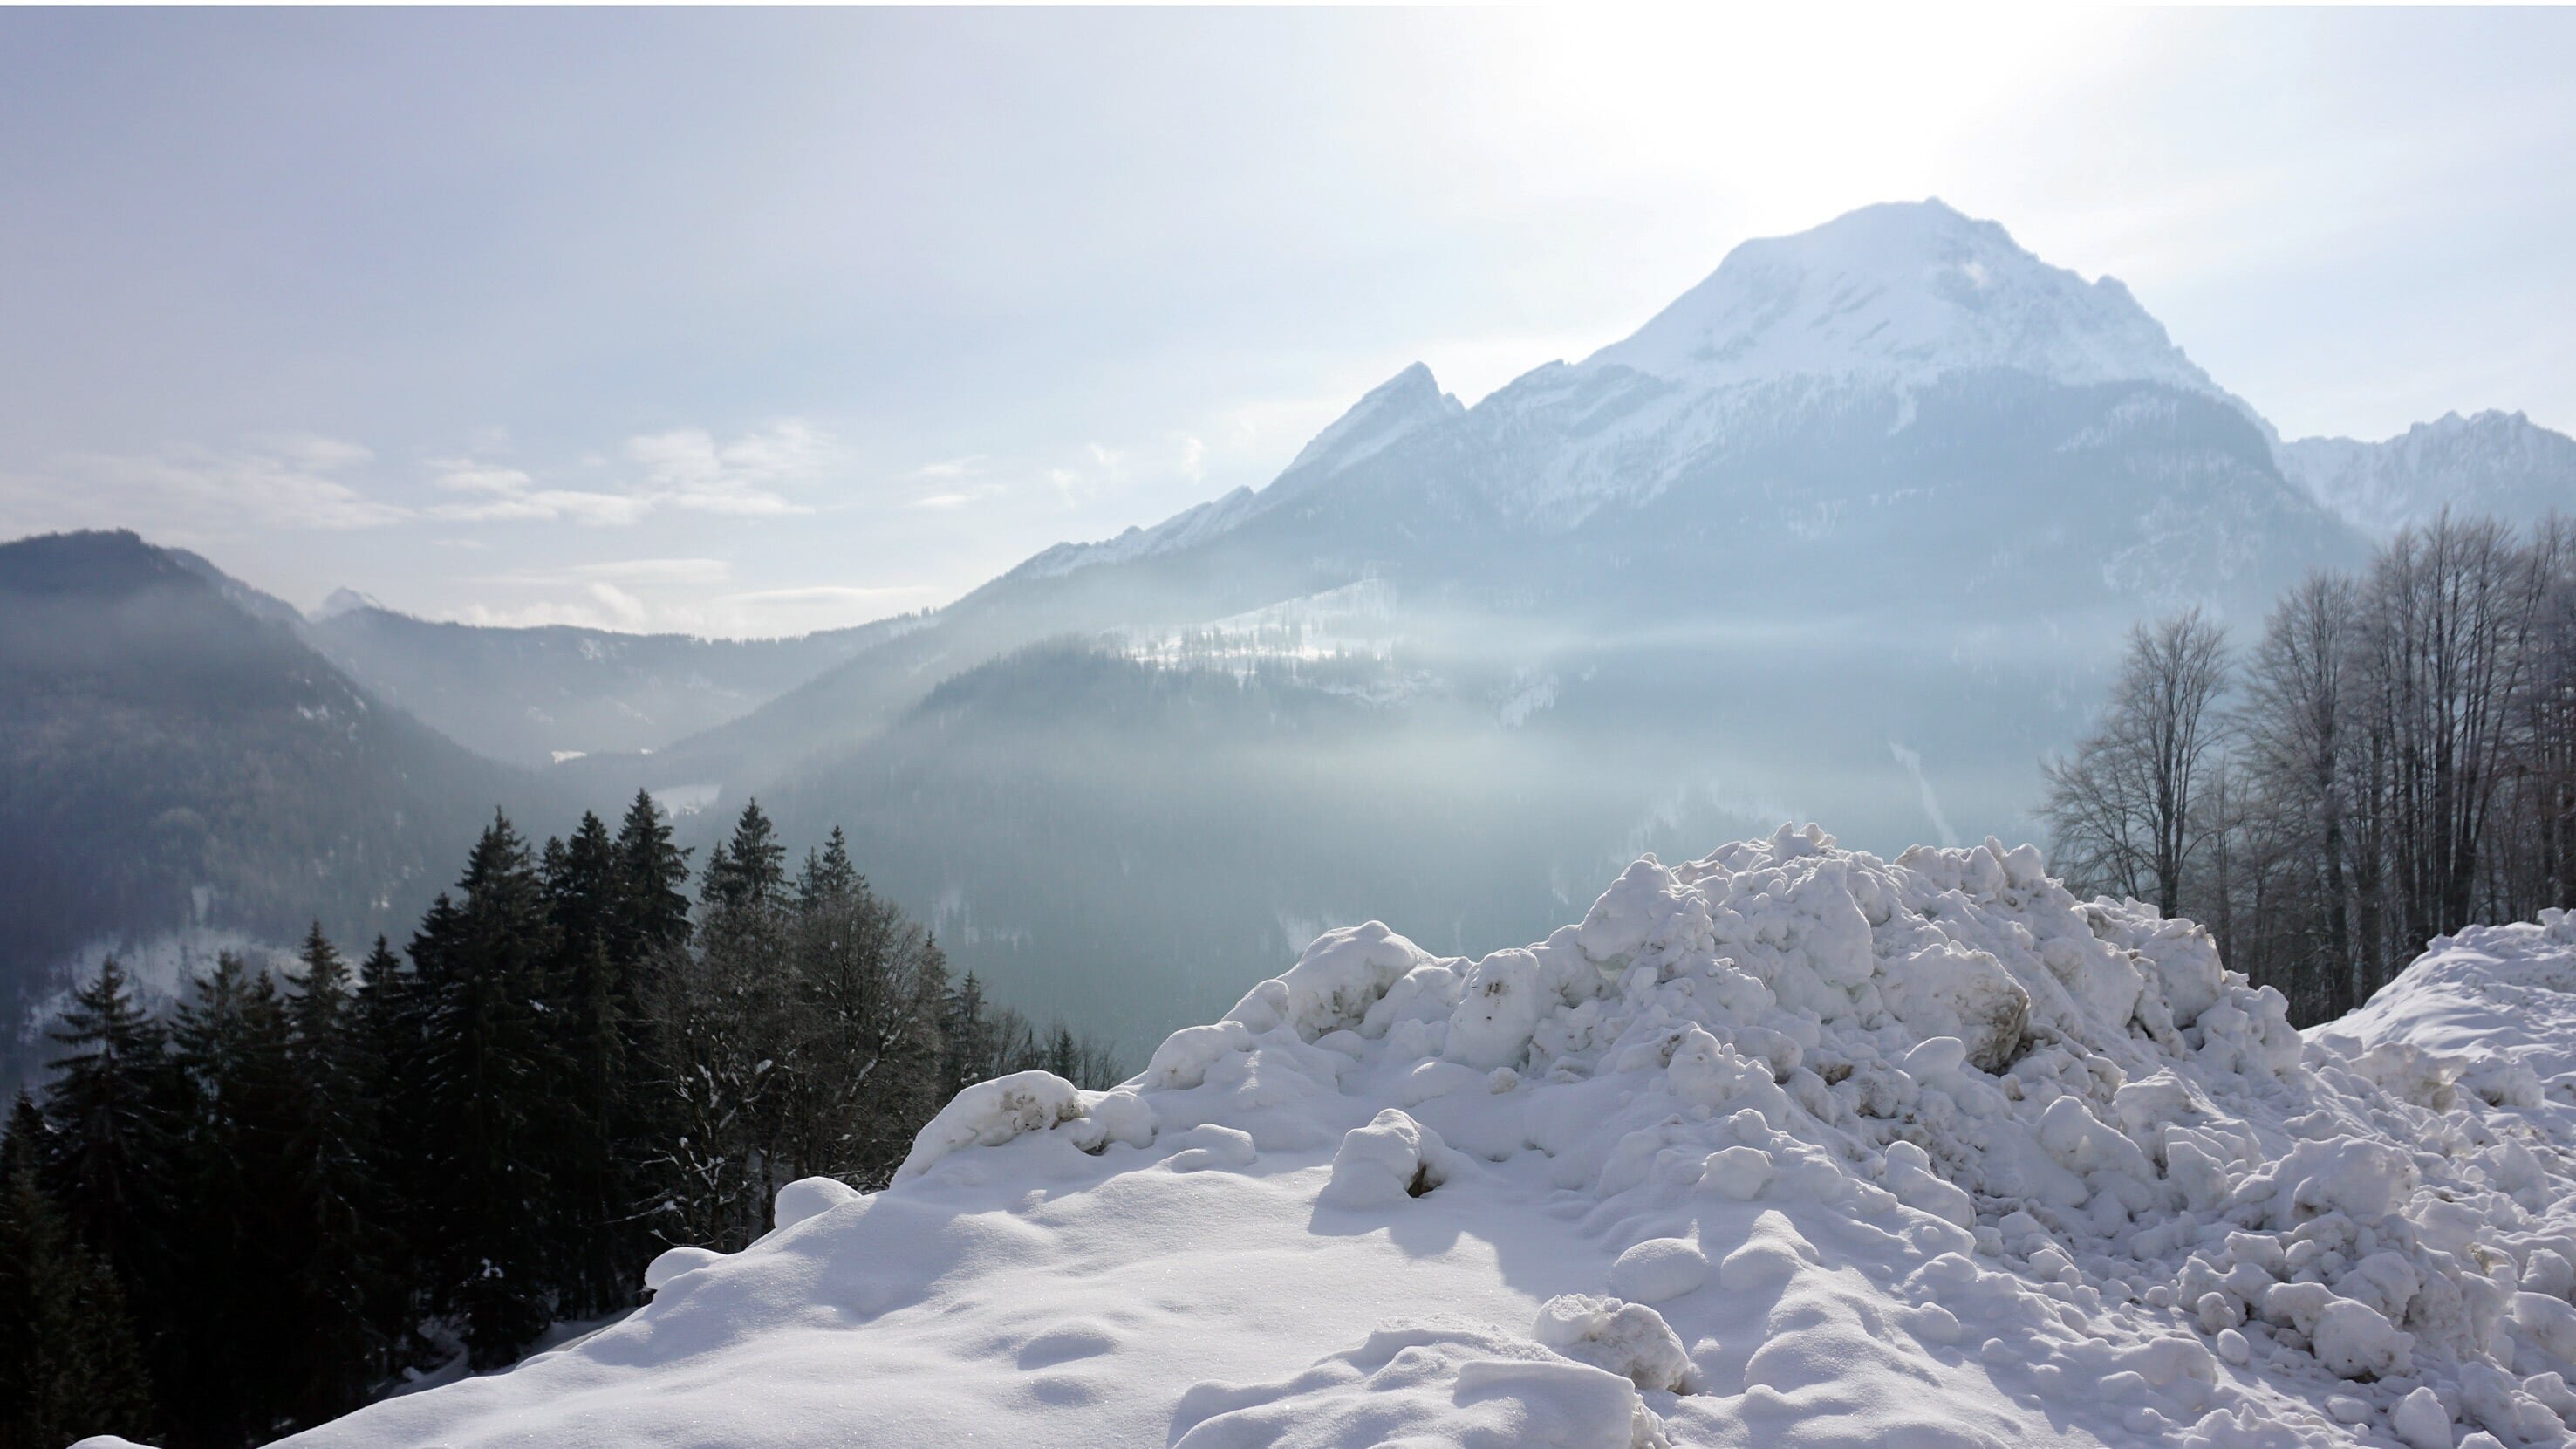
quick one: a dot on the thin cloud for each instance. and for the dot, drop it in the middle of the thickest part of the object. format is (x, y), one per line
(290, 481)
(657, 570)
(829, 594)
(687, 468)
(508, 495)
(633, 572)
(599, 606)
(959, 497)
(953, 468)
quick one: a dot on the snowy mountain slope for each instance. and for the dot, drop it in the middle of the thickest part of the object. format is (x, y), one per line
(1395, 409)
(1787, 1146)
(2492, 463)
(1743, 584)
(1848, 321)
(1903, 291)
(1901, 373)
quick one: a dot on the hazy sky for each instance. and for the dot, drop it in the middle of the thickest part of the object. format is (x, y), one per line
(758, 322)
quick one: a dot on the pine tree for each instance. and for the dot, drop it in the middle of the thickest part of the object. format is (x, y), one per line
(599, 1254)
(1064, 1054)
(69, 1361)
(828, 874)
(653, 934)
(233, 1042)
(749, 869)
(25, 1141)
(967, 1033)
(108, 1110)
(338, 1244)
(653, 910)
(488, 1127)
(389, 1029)
(726, 1038)
(585, 896)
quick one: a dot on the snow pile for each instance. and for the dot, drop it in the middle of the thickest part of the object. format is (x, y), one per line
(1785, 1146)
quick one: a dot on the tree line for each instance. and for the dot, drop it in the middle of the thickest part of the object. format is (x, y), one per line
(2392, 758)
(257, 1210)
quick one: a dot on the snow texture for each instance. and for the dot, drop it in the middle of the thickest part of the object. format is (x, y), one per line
(1789, 1145)
(1902, 291)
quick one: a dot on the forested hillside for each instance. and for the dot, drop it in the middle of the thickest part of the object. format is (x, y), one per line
(534, 696)
(169, 762)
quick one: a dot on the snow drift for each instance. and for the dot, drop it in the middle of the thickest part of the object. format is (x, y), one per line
(1786, 1146)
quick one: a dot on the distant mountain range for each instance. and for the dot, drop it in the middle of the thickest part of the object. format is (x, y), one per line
(1846, 532)
(540, 696)
(179, 771)
(2502, 465)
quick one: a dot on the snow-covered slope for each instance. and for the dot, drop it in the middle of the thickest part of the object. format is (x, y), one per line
(1831, 337)
(1396, 408)
(2492, 463)
(2503, 997)
(1903, 291)
(1787, 1146)
(1401, 406)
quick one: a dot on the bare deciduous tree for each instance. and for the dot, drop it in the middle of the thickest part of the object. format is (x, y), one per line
(2401, 762)
(2293, 723)
(2121, 812)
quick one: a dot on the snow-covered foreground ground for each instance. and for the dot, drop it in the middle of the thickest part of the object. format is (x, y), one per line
(1788, 1146)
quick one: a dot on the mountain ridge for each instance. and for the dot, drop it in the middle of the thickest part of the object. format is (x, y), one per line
(1902, 290)
(2490, 462)
(1661, 603)
(175, 758)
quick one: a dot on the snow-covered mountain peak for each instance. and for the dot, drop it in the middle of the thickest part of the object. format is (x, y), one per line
(2497, 463)
(1403, 403)
(1903, 291)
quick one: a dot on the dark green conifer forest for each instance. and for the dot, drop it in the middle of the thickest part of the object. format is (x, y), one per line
(262, 1208)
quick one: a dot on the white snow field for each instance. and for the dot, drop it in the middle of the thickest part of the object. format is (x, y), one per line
(1789, 1146)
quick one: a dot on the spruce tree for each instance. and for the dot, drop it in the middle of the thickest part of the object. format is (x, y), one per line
(108, 1110)
(338, 1243)
(828, 874)
(966, 1031)
(598, 1253)
(25, 1140)
(653, 909)
(585, 895)
(69, 1361)
(749, 869)
(490, 1127)
(233, 1041)
(653, 934)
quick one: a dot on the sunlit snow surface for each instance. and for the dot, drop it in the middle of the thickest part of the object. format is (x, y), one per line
(1787, 1146)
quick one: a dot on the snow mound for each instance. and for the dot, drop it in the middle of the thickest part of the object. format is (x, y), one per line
(1432, 1388)
(1787, 1145)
